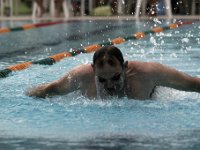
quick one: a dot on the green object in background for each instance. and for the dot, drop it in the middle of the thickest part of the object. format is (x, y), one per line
(20, 7)
(102, 11)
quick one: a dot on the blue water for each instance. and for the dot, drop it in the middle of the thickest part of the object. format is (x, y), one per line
(169, 121)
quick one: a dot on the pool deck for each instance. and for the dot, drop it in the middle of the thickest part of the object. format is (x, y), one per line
(20, 18)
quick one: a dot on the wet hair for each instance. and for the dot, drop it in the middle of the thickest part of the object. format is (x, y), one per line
(108, 54)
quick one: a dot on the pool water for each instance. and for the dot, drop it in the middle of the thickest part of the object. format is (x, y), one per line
(169, 121)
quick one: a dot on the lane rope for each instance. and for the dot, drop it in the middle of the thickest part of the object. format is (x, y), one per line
(31, 26)
(57, 41)
(88, 49)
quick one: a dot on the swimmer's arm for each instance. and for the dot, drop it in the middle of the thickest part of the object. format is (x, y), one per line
(169, 77)
(65, 85)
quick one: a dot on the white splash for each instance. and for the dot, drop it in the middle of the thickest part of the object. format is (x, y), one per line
(185, 40)
(156, 20)
(173, 55)
(153, 40)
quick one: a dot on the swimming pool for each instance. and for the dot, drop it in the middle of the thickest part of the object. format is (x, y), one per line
(169, 121)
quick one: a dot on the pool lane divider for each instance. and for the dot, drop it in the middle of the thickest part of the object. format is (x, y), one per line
(73, 37)
(88, 49)
(31, 26)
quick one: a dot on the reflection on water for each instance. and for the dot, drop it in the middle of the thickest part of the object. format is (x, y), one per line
(184, 141)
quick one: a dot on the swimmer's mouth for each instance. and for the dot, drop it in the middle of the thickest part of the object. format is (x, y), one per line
(111, 91)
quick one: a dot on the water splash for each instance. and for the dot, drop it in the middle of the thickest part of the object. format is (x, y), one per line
(185, 40)
(153, 40)
(156, 20)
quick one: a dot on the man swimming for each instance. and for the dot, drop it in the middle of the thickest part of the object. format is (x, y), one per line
(110, 75)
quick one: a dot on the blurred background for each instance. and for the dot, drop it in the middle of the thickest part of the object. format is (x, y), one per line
(72, 8)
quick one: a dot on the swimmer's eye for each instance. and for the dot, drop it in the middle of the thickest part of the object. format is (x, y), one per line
(102, 80)
(116, 78)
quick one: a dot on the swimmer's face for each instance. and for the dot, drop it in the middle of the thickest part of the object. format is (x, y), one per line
(111, 76)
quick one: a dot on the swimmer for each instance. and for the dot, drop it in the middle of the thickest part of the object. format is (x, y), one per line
(110, 75)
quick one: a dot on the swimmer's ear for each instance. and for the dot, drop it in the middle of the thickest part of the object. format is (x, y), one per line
(125, 64)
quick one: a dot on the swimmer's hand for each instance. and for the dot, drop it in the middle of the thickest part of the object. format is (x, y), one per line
(39, 91)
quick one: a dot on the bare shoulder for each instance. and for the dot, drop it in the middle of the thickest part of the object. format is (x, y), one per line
(143, 66)
(151, 68)
(84, 70)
